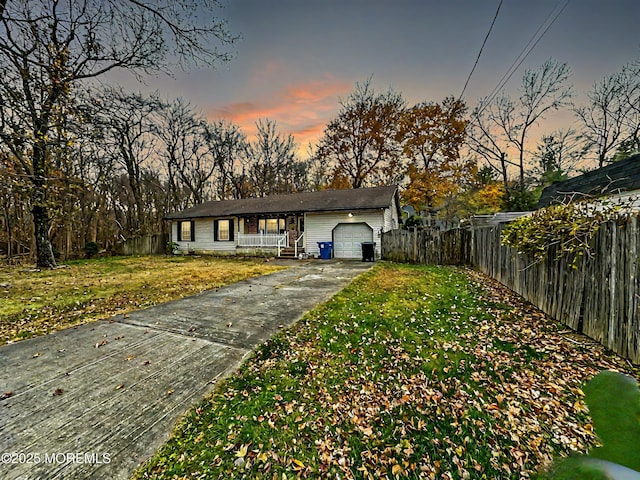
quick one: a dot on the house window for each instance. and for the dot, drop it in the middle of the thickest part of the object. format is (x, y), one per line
(271, 225)
(223, 230)
(186, 231)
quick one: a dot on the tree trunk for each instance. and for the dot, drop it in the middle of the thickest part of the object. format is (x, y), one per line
(44, 252)
(503, 167)
(41, 223)
(9, 227)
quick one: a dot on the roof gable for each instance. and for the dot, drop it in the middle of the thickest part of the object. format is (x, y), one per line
(320, 201)
(621, 176)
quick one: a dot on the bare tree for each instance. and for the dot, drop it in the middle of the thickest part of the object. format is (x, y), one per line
(505, 124)
(318, 171)
(557, 155)
(187, 145)
(632, 98)
(489, 144)
(611, 119)
(14, 205)
(228, 145)
(270, 158)
(127, 124)
(47, 47)
(604, 117)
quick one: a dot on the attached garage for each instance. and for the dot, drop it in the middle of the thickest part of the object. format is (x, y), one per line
(290, 224)
(348, 238)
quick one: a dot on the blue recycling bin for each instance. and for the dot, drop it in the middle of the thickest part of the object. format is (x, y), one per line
(326, 249)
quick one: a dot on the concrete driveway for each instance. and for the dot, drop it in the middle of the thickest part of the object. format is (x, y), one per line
(96, 400)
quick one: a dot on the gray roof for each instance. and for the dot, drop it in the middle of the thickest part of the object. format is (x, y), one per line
(620, 176)
(496, 218)
(320, 201)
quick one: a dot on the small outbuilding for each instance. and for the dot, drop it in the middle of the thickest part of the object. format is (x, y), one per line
(290, 224)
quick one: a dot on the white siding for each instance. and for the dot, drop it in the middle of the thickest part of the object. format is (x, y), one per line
(318, 227)
(391, 221)
(204, 238)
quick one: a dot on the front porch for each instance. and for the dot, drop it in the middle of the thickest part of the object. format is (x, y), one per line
(283, 244)
(262, 240)
(281, 234)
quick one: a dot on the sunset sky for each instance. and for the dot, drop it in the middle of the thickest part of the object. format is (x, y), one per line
(296, 58)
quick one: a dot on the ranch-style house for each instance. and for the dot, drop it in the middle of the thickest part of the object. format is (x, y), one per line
(290, 224)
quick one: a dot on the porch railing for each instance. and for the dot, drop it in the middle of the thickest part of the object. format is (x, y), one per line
(263, 240)
(298, 243)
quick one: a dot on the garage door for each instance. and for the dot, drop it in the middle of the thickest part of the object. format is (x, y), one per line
(348, 237)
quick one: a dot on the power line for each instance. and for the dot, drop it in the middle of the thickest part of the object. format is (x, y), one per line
(525, 52)
(484, 42)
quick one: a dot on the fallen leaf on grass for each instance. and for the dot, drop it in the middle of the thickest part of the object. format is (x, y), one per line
(297, 465)
(242, 451)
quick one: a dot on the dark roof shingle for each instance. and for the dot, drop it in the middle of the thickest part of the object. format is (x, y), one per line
(621, 176)
(320, 201)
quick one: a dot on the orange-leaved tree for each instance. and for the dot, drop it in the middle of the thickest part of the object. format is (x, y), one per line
(431, 135)
(361, 144)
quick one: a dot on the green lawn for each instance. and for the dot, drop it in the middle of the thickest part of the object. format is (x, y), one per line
(37, 302)
(410, 372)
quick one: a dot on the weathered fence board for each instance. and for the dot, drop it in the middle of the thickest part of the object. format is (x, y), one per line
(145, 245)
(600, 297)
(431, 247)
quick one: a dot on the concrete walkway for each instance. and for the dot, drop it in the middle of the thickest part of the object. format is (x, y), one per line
(96, 400)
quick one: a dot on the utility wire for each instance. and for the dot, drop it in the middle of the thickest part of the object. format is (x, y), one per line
(525, 53)
(484, 42)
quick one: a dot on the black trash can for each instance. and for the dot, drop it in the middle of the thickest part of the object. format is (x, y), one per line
(368, 251)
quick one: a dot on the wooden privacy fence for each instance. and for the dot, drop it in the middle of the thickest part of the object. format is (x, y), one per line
(600, 298)
(428, 246)
(145, 244)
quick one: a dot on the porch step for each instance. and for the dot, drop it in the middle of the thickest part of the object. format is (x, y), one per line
(290, 252)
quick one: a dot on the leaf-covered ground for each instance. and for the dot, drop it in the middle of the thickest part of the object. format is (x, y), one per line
(410, 372)
(37, 302)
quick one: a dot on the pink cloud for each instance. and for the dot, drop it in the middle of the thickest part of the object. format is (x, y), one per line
(302, 109)
(310, 131)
